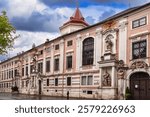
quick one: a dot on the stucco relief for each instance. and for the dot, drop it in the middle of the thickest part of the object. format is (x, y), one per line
(106, 79)
(121, 69)
(108, 43)
(138, 64)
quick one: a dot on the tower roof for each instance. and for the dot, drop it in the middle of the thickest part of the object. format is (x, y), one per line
(77, 18)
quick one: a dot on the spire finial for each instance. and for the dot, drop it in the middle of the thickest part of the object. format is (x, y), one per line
(77, 3)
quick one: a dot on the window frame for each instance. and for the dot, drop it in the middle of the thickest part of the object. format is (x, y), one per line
(56, 66)
(139, 44)
(47, 67)
(47, 82)
(68, 60)
(69, 81)
(86, 83)
(69, 43)
(139, 23)
(88, 51)
(56, 82)
(57, 47)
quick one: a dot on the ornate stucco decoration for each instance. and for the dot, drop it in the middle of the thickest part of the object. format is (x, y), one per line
(109, 31)
(121, 68)
(106, 79)
(109, 43)
(138, 64)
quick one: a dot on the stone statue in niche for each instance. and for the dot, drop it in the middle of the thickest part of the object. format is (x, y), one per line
(109, 43)
(106, 79)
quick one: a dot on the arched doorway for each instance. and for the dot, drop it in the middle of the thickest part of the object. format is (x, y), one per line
(140, 86)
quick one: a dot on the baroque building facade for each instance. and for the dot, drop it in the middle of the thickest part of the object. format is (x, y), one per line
(97, 62)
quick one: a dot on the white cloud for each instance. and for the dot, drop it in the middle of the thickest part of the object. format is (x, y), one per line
(26, 39)
(21, 8)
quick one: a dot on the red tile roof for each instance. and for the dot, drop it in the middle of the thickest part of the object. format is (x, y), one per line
(77, 18)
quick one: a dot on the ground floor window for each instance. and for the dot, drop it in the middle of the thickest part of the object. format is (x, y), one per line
(68, 81)
(56, 81)
(87, 80)
(87, 92)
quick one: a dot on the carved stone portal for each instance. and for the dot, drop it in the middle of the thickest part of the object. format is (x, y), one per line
(138, 64)
(106, 79)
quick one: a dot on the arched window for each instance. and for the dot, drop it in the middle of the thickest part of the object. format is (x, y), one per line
(88, 51)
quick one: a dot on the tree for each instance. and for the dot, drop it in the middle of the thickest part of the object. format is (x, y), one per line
(7, 34)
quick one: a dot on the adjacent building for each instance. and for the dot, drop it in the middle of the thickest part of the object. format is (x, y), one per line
(98, 61)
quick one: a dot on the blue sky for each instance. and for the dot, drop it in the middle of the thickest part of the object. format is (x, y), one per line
(37, 20)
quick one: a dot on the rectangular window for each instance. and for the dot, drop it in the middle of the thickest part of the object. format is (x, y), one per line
(40, 67)
(69, 62)
(48, 66)
(9, 74)
(12, 73)
(57, 47)
(139, 49)
(31, 68)
(47, 83)
(56, 81)
(69, 43)
(56, 64)
(48, 49)
(83, 80)
(89, 80)
(22, 71)
(86, 80)
(26, 70)
(68, 81)
(139, 22)
(40, 52)
(16, 72)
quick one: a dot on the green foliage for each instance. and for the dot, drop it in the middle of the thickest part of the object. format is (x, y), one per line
(128, 95)
(7, 34)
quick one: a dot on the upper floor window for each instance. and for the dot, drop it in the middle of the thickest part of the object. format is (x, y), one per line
(88, 51)
(139, 49)
(56, 64)
(40, 52)
(57, 47)
(40, 67)
(22, 71)
(69, 62)
(69, 43)
(48, 66)
(139, 22)
(27, 70)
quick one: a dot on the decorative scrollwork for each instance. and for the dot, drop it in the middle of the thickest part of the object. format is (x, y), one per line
(138, 64)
